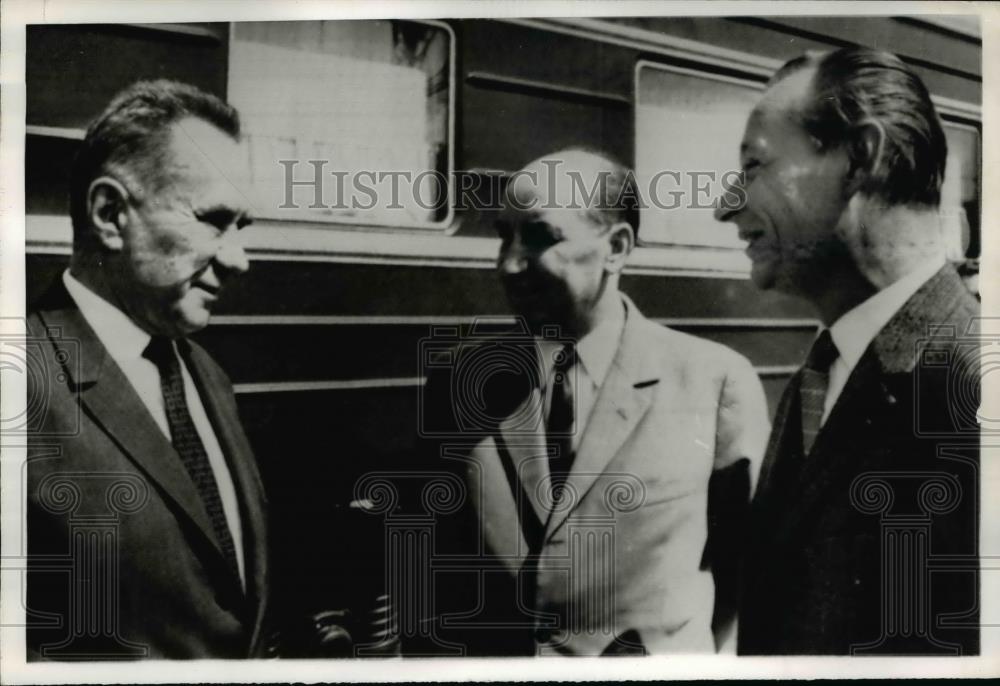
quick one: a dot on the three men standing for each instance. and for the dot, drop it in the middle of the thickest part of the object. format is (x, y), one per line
(587, 476)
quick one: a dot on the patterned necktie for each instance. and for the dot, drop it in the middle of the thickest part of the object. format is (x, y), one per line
(813, 386)
(186, 441)
(559, 425)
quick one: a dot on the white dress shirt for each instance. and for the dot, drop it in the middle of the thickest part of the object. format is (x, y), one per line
(125, 342)
(595, 353)
(857, 328)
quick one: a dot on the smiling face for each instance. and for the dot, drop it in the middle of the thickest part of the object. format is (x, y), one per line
(795, 194)
(180, 243)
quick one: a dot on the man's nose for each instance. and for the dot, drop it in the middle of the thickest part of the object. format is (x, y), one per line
(231, 254)
(731, 201)
(511, 260)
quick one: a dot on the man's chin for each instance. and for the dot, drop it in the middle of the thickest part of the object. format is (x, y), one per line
(538, 322)
(763, 275)
(536, 313)
(191, 322)
(525, 309)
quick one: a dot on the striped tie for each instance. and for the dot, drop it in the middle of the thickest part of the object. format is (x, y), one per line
(813, 387)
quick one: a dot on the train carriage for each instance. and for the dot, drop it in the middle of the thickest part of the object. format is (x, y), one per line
(323, 337)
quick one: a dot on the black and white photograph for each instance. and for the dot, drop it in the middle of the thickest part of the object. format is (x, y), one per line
(446, 341)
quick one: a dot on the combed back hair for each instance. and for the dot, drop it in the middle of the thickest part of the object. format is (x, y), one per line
(856, 85)
(129, 140)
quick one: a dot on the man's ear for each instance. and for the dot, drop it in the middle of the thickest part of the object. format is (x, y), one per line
(106, 208)
(621, 238)
(864, 149)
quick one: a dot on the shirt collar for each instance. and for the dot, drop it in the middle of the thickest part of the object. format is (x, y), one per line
(122, 338)
(857, 328)
(596, 350)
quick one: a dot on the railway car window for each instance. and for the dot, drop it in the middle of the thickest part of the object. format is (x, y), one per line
(687, 135)
(960, 193)
(347, 121)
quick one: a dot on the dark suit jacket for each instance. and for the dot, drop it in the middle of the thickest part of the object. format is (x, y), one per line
(122, 558)
(869, 544)
(620, 561)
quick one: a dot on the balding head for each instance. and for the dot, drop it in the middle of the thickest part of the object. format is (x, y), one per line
(565, 239)
(576, 179)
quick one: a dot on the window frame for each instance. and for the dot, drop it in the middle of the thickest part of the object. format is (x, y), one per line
(352, 242)
(732, 262)
(750, 81)
(965, 120)
(441, 226)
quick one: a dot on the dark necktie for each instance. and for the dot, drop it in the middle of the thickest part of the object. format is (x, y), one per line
(559, 425)
(813, 387)
(188, 444)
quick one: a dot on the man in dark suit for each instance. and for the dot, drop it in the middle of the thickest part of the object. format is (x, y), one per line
(864, 533)
(146, 514)
(586, 442)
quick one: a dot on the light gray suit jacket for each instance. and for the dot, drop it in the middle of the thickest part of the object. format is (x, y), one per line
(618, 562)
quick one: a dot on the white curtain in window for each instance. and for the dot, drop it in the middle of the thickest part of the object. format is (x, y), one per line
(689, 125)
(329, 91)
(960, 187)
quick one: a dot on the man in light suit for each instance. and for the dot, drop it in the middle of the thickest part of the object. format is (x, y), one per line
(864, 526)
(587, 474)
(146, 528)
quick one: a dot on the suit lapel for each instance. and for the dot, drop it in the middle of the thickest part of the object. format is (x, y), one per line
(622, 401)
(780, 435)
(883, 374)
(108, 396)
(880, 382)
(831, 458)
(930, 312)
(528, 455)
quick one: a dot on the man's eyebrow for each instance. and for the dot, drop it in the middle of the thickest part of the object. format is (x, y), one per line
(222, 211)
(215, 207)
(539, 226)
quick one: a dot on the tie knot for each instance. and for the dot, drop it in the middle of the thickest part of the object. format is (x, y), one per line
(565, 357)
(823, 353)
(160, 352)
